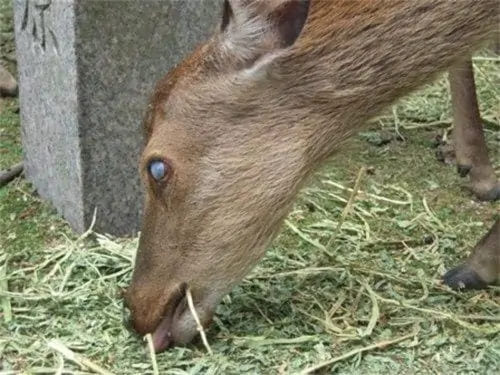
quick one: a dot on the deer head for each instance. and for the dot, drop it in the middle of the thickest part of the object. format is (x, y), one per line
(220, 168)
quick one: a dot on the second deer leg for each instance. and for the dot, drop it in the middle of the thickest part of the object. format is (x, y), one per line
(468, 137)
(483, 265)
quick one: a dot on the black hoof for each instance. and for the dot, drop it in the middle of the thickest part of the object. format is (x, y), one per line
(491, 195)
(463, 277)
(463, 170)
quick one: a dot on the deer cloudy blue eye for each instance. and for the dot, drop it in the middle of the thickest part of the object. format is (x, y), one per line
(157, 169)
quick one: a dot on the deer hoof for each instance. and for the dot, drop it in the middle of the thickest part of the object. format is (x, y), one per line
(490, 195)
(463, 277)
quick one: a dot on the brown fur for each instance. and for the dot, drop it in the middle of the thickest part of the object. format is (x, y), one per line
(470, 145)
(244, 122)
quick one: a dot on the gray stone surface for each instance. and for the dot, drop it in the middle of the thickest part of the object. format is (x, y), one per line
(86, 70)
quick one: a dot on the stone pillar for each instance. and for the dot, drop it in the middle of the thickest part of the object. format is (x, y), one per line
(86, 71)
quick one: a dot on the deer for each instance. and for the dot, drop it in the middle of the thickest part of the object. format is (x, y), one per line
(233, 132)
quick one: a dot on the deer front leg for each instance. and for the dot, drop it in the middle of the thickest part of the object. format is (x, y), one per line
(483, 265)
(470, 146)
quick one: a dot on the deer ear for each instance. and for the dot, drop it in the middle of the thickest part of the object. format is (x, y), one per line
(288, 20)
(253, 29)
(227, 15)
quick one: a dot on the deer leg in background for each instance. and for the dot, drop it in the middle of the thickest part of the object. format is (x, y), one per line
(470, 145)
(483, 265)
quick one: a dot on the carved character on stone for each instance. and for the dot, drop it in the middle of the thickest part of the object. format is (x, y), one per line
(35, 22)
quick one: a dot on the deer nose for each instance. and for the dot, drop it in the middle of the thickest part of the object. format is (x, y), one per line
(162, 335)
(156, 313)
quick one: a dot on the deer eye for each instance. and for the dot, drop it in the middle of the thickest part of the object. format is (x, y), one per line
(158, 170)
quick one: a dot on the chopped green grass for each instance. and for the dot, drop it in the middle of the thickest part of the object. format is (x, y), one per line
(371, 302)
(10, 145)
(7, 46)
